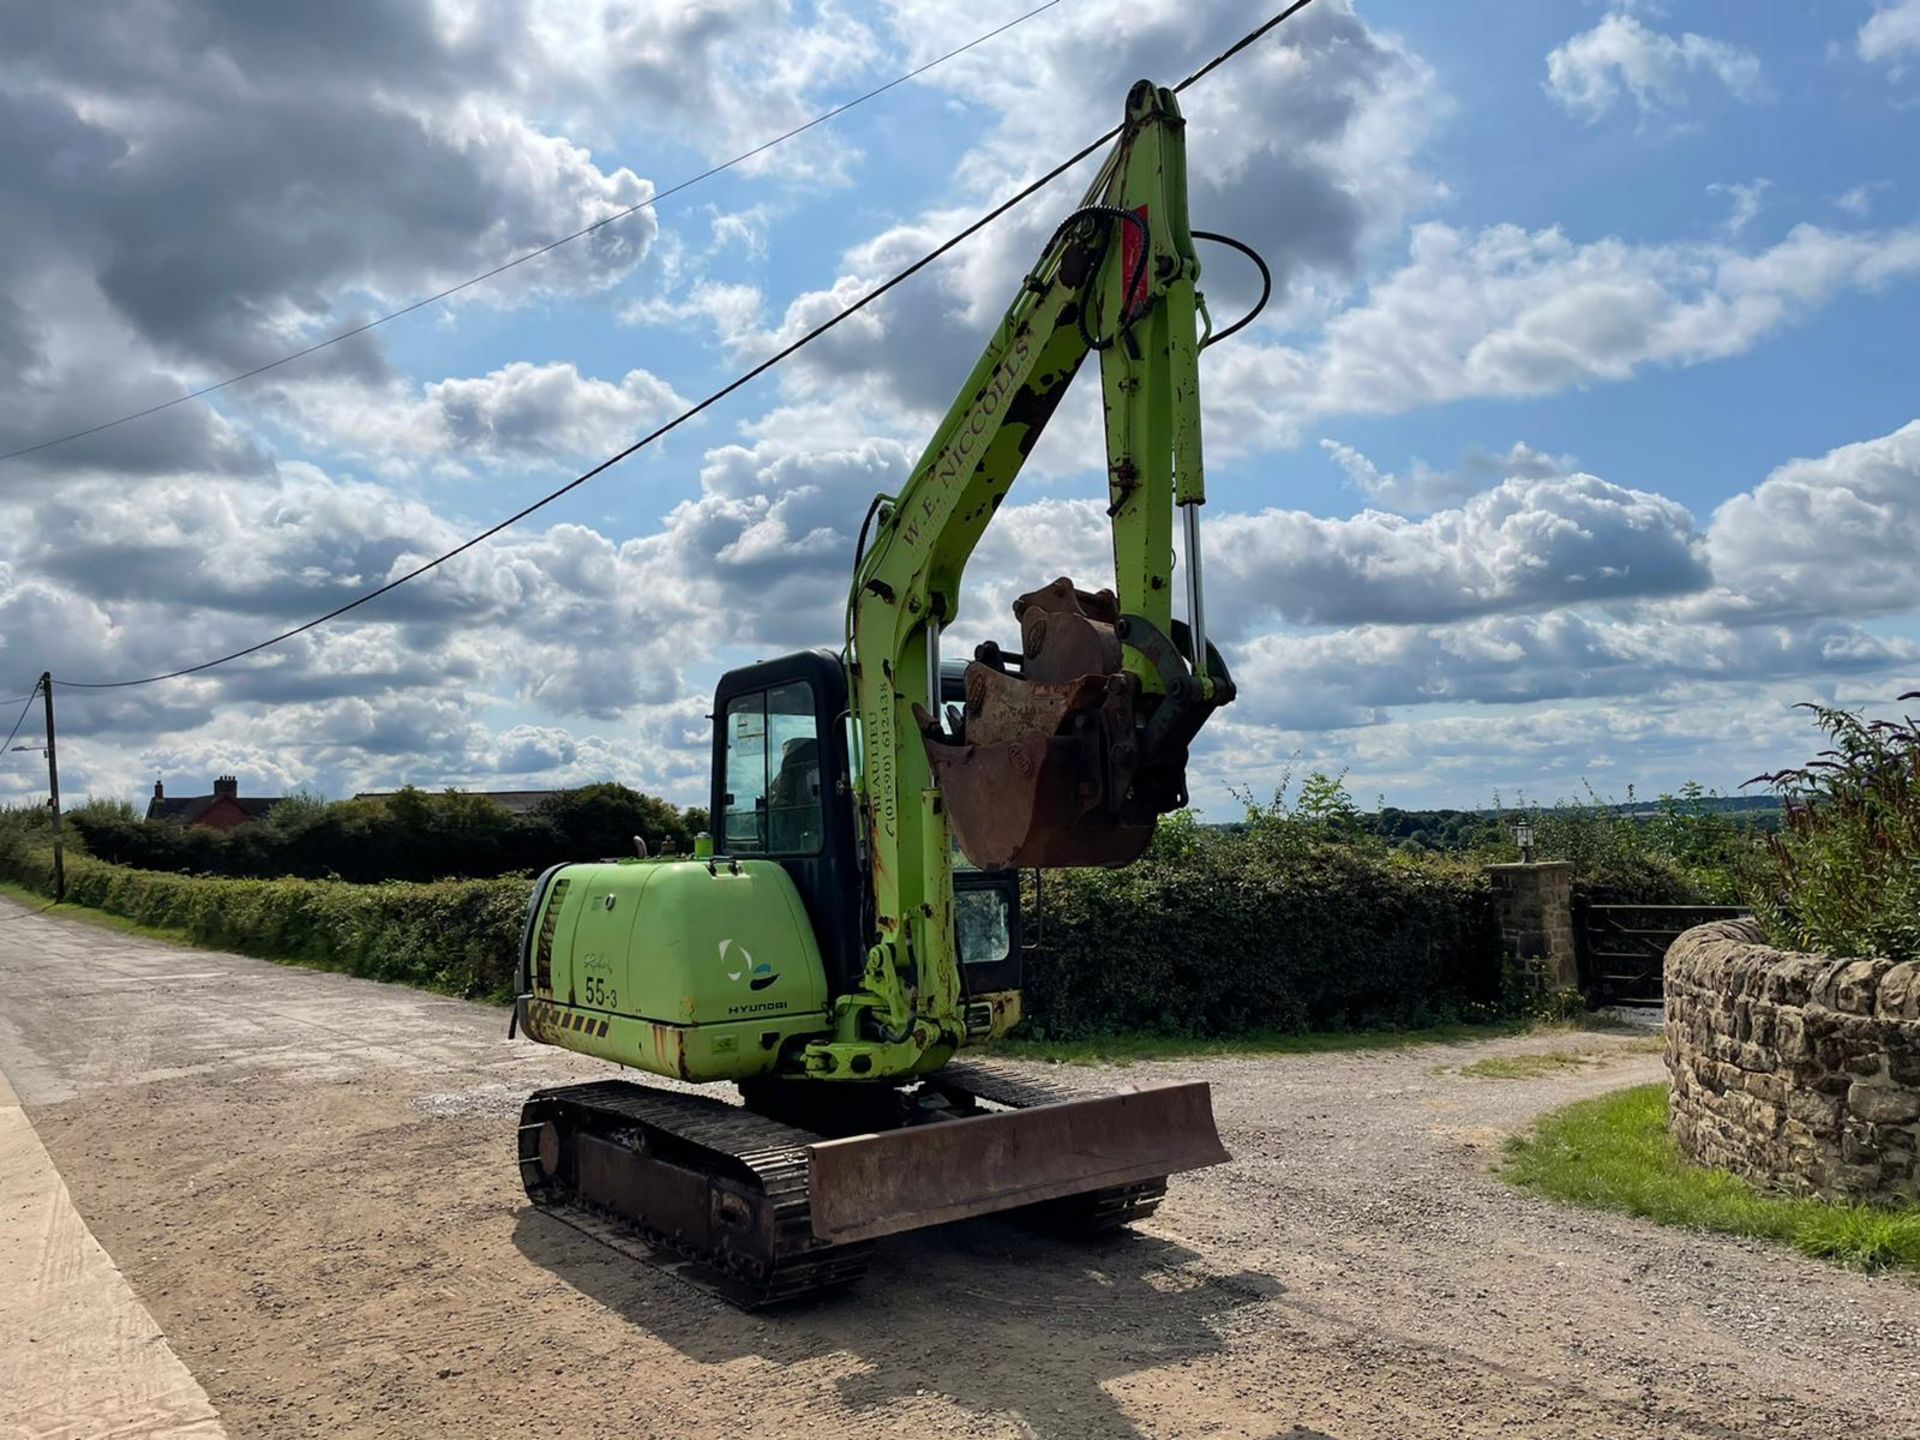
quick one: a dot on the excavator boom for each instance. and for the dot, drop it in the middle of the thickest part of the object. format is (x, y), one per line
(1065, 752)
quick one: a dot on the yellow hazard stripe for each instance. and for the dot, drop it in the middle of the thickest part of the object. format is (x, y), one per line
(577, 1021)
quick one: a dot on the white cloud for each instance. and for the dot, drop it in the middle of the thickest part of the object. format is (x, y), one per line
(196, 193)
(745, 228)
(1891, 32)
(114, 584)
(352, 744)
(1524, 544)
(1307, 149)
(190, 195)
(1746, 200)
(765, 551)
(519, 412)
(722, 76)
(1858, 200)
(1553, 590)
(1834, 536)
(1364, 675)
(1510, 312)
(1551, 750)
(1588, 73)
(1520, 545)
(732, 308)
(1424, 489)
(1498, 312)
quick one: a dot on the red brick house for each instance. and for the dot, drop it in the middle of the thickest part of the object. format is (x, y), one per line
(222, 810)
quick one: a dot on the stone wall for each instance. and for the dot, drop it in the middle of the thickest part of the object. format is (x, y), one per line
(1800, 1072)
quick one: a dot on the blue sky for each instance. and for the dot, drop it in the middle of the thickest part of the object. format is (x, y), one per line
(1574, 450)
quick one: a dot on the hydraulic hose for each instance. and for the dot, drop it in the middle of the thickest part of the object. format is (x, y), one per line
(1266, 283)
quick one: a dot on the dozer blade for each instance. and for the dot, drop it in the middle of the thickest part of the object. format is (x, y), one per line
(871, 1185)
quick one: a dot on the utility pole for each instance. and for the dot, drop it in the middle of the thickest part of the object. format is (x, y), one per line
(53, 795)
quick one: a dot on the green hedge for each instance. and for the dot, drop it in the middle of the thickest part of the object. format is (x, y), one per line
(456, 936)
(1842, 876)
(411, 835)
(1215, 934)
(1209, 935)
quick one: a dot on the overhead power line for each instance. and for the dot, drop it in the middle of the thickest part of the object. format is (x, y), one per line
(748, 377)
(534, 254)
(7, 744)
(1251, 37)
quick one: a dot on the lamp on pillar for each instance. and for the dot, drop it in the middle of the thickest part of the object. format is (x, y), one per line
(1523, 837)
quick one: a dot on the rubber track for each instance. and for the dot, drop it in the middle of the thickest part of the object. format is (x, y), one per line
(1004, 1085)
(736, 1141)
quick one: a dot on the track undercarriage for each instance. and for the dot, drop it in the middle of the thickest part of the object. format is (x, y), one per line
(725, 1195)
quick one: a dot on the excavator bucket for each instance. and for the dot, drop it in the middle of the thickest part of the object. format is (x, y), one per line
(872, 1185)
(1066, 763)
(1022, 803)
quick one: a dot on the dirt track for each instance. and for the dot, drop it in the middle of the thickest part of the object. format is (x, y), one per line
(307, 1180)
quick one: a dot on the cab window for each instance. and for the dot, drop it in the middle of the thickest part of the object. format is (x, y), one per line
(980, 918)
(773, 800)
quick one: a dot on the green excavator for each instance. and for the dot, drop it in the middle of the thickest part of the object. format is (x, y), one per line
(823, 950)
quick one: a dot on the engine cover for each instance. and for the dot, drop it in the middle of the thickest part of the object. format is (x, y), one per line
(682, 967)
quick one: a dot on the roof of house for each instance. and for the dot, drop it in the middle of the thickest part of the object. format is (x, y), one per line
(189, 808)
(520, 802)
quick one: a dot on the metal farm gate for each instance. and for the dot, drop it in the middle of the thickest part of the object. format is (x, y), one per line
(1622, 948)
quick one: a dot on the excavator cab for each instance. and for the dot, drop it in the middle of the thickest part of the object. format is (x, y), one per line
(783, 752)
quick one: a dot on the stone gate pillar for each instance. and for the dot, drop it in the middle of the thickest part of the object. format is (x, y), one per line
(1536, 917)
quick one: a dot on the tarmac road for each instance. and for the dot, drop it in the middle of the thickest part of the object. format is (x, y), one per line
(306, 1181)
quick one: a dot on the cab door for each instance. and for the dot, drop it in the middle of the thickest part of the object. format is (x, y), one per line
(781, 793)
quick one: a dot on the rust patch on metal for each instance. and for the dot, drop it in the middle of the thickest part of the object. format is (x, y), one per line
(670, 1047)
(1001, 707)
(873, 1185)
(1032, 802)
(1042, 771)
(537, 1021)
(1068, 762)
(1006, 1010)
(1067, 633)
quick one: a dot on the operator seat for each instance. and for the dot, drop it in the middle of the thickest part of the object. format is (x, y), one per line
(793, 799)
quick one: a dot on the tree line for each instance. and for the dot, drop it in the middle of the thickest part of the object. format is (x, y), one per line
(411, 835)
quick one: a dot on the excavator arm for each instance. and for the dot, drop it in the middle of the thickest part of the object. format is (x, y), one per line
(1066, 752)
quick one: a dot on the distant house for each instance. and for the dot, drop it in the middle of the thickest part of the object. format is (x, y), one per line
(518, 802)
(224, 809)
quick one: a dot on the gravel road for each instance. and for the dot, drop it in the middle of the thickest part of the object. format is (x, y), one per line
(308, 1181)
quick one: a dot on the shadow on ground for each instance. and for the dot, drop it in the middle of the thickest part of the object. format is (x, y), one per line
(999, 1321)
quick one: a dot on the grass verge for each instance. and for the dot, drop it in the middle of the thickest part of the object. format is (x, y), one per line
(454, 937)
(1525, 1067)
(1613, 1153)
(86, 914)
(1542, 1063)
